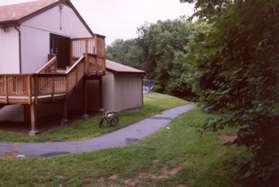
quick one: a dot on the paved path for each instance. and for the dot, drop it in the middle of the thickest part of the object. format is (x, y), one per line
(119, 138)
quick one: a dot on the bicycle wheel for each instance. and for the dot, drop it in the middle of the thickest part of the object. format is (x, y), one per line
(114, 121)
(101, 123)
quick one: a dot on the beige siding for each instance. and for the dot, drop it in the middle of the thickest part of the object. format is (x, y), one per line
(122, 92)
(35, 45)
(35, 34)
(108, 92)
(9, 51)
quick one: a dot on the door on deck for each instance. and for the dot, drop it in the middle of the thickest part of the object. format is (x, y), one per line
(60, 46)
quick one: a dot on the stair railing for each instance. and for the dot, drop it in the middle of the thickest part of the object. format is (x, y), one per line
(47, 83)
(26, 88)
(49, 67)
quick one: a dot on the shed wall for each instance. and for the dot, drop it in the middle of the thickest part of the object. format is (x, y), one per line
(108, 92)
(122, 92)
(128, 92)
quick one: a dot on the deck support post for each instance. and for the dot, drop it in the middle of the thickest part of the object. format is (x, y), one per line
(33, 112)
(101, 93)
(85, 100)
(65, 119)
(26, 115)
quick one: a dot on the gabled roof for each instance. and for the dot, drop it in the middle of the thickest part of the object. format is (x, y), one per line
(15, 14)
(121, 68)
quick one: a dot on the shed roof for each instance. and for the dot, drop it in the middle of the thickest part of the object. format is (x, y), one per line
(16, 13)
(121, 68)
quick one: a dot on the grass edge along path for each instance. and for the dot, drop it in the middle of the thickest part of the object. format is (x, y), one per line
(154, 103)
(176, 155)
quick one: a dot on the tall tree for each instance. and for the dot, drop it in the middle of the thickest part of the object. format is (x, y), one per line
(128, 52)
(157, 50)
(240, 65)
(161, 42)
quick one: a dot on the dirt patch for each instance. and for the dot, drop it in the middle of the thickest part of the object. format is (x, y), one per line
(156, 161)
(131, 182)
(182, 185)
(113, 177)
(164, 173)
(9, 156)
(227, 138)
(102, 179)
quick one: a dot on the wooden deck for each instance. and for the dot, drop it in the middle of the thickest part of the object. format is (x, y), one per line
(49, 83)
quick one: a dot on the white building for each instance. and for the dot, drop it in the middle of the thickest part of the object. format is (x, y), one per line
(29, 33)
(49, 53)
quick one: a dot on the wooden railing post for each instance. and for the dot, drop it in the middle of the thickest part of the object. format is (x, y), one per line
(96, 44)
(6, 88)
(85, 101)
(67, 84)
(65, 107)
(30, 88)
(35, 88)
(86, 56)
(77, 74)
(71, 53)
(52, 87)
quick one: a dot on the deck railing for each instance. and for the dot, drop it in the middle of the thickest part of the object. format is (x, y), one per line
(94, 51)
(15, 86)
(49, 67)
(96, 65)
(28, 88)
(47, 83)
(95, 45)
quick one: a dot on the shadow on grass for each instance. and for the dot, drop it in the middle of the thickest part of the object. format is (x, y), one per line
(154, 104)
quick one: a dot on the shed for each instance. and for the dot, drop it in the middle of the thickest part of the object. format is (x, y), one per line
(122, 87)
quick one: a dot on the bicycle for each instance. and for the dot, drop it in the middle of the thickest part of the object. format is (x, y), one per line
(109, 119)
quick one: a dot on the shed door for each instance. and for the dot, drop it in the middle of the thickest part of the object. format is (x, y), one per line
(60, 46)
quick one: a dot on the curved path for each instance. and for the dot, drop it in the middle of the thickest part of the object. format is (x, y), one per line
(119, 138)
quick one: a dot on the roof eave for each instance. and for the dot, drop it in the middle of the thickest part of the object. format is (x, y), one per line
(25, 18)
(99, 35)
(29, 16)
(125, 72)
(9, 23)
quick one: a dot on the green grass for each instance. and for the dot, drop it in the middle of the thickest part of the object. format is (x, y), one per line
(205, 161)
(153, 103)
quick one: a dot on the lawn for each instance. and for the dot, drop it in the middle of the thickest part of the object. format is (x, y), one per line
(154, 103)
(178, 155)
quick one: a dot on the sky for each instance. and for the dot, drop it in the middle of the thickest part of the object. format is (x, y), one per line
(119, 19)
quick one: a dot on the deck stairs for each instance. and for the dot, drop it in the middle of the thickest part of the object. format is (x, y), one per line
(49, 83)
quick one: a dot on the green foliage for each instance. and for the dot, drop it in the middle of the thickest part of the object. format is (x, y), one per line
(158, 50)
(127, 52)
(239, 61)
